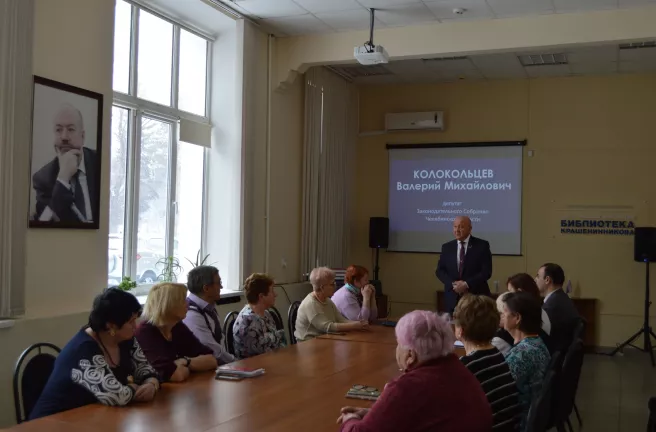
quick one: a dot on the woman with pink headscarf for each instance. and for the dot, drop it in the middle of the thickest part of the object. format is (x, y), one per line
(436, 392)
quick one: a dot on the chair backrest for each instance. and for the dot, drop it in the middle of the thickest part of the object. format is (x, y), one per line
(228, 325)
(291, 320)
(568, 382)
(556, 362)
(277, 318)
(540, 412)
(31, 373)
(579, 329)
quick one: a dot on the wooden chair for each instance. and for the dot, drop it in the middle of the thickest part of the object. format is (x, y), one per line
(31, 373)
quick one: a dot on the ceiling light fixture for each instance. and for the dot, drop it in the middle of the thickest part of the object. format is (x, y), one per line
(637, 45)
(356, 71)
(542, 59)
(226, 9)
(444, 59)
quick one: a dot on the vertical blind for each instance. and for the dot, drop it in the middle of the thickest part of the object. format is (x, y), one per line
(328, 171)
(16, 27)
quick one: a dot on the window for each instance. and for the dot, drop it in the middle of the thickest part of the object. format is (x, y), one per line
(189, 204)
(157, 182)
(155, 59)
(193, 58)
(122, 41)
(117, 185)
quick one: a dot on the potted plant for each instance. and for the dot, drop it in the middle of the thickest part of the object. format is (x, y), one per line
(199, 261)
(171, 268)
(127, 284)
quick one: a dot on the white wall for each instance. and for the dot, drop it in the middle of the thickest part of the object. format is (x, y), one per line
(286, 183)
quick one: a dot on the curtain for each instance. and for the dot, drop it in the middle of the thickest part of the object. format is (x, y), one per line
(328, 169)
(16, 27)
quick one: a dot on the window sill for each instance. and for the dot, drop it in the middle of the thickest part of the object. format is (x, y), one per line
(9, 323)
(227, 296)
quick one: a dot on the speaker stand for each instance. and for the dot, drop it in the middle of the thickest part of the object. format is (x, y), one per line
(376, 268)
(646, 330)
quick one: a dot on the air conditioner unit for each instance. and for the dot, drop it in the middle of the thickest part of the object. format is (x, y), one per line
(433, 120)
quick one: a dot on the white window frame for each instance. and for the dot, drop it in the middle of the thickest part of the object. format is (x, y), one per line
(140, 108)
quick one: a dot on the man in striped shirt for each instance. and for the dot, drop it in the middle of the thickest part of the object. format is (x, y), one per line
(476, 321)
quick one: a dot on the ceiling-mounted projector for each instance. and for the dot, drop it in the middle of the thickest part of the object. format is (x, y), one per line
(370, 54)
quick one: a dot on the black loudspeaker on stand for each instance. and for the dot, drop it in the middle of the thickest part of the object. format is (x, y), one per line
(378, 238)
(644, 250)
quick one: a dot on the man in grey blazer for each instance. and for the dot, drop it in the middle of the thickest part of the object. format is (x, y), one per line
(559, 307)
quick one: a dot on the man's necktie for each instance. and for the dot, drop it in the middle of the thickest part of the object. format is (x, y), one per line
(461, 258)
(79, 195)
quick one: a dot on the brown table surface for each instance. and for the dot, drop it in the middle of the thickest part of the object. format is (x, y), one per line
(305, 384)
(374, 334)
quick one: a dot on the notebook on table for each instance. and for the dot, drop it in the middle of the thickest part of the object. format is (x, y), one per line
(241, 372)
(359, 391)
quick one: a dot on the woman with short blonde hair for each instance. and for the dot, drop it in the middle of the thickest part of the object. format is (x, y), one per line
(317, 314)
(162, 299)
(168, 344)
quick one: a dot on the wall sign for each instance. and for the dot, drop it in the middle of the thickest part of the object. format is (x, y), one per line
(597, 227)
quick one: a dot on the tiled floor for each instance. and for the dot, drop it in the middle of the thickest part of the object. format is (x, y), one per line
(613, 392)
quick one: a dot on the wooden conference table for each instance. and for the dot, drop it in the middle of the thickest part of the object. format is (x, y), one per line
(303, 389)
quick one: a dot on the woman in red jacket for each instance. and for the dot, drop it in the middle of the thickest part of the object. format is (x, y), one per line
(436, 392)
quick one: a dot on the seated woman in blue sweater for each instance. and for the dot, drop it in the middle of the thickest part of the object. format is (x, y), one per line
(102, 363)
(529, 357)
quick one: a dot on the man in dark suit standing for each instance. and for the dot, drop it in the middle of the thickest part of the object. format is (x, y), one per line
(559, 307)
(66, 187)
(465, 264)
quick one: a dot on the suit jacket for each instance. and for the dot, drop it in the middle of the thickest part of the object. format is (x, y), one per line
(53, 194)
(564, 318)
(476, 271)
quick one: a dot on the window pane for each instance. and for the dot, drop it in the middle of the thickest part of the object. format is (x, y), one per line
(122, 31)
(117, 185)
(153, 198)
(193, 68)
(154, 59)
(189, 216)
